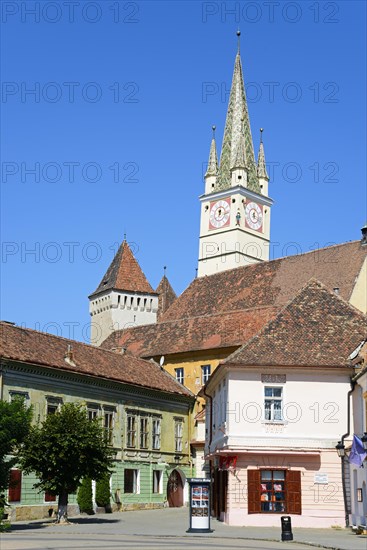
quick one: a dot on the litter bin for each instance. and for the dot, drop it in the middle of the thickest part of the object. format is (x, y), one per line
(286, 528)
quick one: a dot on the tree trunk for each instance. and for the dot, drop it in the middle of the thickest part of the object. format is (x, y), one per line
(62, 510)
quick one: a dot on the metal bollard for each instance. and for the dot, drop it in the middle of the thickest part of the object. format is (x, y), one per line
(286, 528)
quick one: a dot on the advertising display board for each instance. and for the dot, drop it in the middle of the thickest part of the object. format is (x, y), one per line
(199, 505)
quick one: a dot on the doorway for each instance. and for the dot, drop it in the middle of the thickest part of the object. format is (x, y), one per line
(175, 490)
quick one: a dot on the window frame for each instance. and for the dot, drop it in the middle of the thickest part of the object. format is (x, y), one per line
(135, 481)
(157, 486)
(93, 411)
(131, 431)
(53, 401)
(144, 434)
(205, 375)
(272, 399)
(179, 435)
(180, 375)
(15, 485)
(156, 434)
(109, 412)
(292, 490)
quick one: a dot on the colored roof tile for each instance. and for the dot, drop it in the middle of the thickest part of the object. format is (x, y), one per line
(124, 273)
(316, 328)
(39, 348)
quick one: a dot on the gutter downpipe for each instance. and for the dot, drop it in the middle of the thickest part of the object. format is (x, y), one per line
(353, 385)
(209, 444)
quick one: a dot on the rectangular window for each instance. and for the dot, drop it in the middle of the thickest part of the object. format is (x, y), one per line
(131, 481)
(274, 491)
(156, 433)
(23, 395)
(92, 411)
(15, 486)
(180, 375)
(49, 497)
(144, 432)
(205, 373)
(157, 481)
(108, 418)
(273, 403)
(178, 435)
(53, 404)
(131, 431)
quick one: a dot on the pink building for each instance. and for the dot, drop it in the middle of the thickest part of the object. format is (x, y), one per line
(276, 409)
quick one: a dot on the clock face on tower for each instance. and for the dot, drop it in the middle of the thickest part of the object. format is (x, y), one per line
(219, 215)
(254, 216)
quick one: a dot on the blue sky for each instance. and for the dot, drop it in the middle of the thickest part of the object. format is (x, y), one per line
(119, 126)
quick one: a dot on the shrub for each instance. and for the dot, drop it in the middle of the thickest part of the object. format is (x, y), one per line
(103, 493)
(85, 496)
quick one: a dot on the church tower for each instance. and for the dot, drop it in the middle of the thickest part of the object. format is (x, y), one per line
(235, 209)
(123, 299)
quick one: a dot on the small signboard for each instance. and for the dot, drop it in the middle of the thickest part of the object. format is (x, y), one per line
(322, 479)
(199, 505)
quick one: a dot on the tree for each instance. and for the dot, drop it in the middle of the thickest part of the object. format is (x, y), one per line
(63, 450)
(85, 496)
(15, 423)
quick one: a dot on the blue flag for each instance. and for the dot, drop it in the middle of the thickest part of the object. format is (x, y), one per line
(357, 452)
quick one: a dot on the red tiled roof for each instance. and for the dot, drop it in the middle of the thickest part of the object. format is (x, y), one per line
(228, 308)
(270, 283)
(166, 296)
(30, 346)
(317, 328)
(124, 273)
(199, 333)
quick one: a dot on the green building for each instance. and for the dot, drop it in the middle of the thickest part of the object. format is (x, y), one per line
(145, 412)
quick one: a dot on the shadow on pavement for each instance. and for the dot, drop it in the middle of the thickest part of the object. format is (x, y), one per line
(33, 525)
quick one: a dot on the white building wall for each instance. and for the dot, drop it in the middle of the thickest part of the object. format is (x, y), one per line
(314, 418)
(120, 310)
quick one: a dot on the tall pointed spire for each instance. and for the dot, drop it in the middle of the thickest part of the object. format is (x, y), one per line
(237, 121)
(240, 156)
(213, 159)
(261, 166)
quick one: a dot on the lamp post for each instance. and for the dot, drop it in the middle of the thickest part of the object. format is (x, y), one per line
(340, 449)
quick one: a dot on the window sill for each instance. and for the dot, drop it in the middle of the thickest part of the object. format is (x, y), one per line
(275, 422)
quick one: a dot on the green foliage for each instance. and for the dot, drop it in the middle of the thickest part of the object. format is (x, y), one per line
(65, 448)
(15, 424)
(85, 496)
(103, 492)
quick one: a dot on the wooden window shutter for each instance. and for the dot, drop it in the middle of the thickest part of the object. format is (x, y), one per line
(49, 497)
(293, 492)
(15, 486)
(253, 492)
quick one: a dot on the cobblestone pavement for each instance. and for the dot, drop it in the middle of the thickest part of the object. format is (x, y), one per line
(164, 530)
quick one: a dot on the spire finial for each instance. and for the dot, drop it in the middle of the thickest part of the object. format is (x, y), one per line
(164, 269)
(261, 134)
(213, 130)
(125, 237)
(196, 273)
(238, 40)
